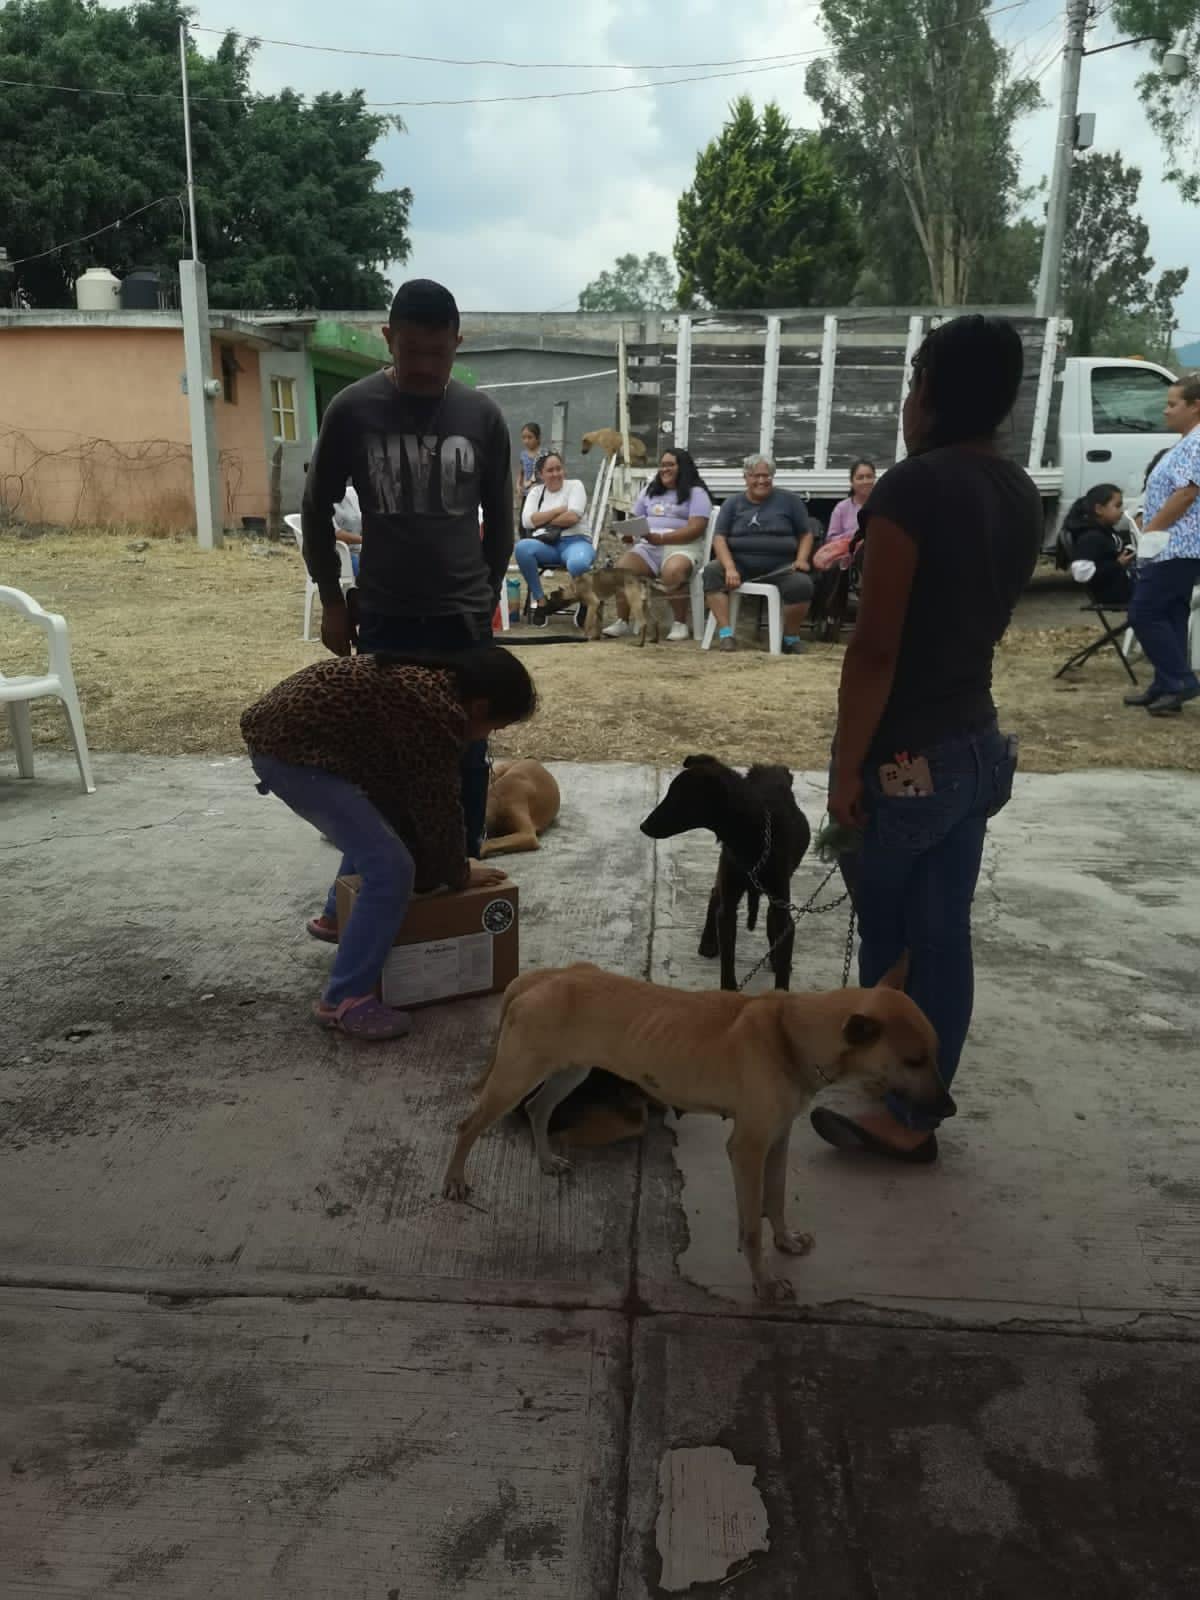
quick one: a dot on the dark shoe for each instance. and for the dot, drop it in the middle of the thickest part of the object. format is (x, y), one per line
(844, 1134)
(1142, 697)
(581, 616)
(727, 644)
(538, 617)
(791, 647)
(1167, 705)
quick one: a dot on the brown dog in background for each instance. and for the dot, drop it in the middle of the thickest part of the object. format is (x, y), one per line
(758, 1059)
(609, 440)
(522, 802)
(605, 583)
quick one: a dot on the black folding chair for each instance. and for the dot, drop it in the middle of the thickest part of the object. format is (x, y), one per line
(1111, 635)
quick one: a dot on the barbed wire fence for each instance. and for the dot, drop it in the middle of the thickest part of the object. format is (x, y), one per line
(90, 481)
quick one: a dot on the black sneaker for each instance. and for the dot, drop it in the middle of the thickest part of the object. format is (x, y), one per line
(1142, 697)
(791, 647)
(1167, 705)
(538, 617)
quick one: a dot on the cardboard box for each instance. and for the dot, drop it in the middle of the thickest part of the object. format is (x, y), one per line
(449, 946)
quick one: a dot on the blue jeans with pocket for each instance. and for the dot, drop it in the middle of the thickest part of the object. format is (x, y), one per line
(913, 883)
(574, 551)
(1158, 614)
(370, 847)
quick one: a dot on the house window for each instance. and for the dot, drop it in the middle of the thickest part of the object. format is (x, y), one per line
(229, 372)
(283, 410)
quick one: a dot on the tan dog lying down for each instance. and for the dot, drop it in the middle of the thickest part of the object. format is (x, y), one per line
(609, 440)
(522, 802)
(758, 1059)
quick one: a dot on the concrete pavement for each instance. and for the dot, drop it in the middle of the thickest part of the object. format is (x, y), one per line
(245, 1350)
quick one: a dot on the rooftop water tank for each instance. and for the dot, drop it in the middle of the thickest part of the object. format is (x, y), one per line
(98, 290)
(139, 290)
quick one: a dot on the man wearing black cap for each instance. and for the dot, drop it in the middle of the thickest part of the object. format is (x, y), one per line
(426, 456)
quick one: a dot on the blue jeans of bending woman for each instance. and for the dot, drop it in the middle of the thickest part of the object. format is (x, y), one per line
(370, 847)
(573, 551)
(913, 883)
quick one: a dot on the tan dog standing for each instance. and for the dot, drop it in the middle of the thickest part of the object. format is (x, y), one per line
(758, 1059)
(609, 440)
(605, 583)
(522, 802)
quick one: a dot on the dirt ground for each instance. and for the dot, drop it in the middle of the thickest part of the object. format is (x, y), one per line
(170, 644)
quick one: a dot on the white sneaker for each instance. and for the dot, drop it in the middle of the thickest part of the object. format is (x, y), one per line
(679, 630)
(617, 630)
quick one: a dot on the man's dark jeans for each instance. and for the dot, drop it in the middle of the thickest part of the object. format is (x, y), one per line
(913, 882)
(377, 632)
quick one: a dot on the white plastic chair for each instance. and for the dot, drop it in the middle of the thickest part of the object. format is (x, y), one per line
(59, 681)
(346, 578)
(764, 591)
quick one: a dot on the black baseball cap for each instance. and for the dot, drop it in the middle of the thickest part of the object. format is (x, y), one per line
(428, 304)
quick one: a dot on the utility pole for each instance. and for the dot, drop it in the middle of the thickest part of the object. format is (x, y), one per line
(1050, 278)
(197, 352)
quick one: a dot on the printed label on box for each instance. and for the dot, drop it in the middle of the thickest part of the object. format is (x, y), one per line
(415, 974)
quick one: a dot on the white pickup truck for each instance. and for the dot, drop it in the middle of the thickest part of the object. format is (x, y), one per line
(816, 390)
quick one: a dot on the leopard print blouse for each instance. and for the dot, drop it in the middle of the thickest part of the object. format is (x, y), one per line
(397, 733)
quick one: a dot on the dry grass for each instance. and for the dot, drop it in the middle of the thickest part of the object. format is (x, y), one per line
(171, 644)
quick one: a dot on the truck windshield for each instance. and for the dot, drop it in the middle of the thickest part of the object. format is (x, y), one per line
(1128, 400)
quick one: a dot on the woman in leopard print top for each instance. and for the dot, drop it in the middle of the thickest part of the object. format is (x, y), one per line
(368, 749)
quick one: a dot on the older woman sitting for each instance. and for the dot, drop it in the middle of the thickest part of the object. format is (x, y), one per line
(762, 536)
(552, 518)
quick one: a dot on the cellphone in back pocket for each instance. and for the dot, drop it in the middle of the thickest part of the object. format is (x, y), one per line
(906, 778)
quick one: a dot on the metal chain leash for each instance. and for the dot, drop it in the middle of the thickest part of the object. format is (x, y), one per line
(808, 909)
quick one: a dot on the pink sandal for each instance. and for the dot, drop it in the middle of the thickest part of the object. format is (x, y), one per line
(364, 1018)
(322, 928)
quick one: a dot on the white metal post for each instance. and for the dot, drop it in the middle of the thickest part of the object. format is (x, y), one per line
(683, 381)
(770, 387)
(187, 138)
(558, 427)
(825, 395)
(623, 392)
(916, 332)
(197, 352)
(1050, 277)
(1041, 410)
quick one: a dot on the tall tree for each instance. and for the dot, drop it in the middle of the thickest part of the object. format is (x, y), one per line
(919, 106)
(290, 211)
(1108, 292)
(636, 283)
(1173, 108)
(766, 221)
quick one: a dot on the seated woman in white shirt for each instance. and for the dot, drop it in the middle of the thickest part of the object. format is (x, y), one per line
(676, 506)
(552, 520)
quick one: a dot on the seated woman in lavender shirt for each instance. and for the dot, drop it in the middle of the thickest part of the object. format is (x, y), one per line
(843, 524)
(676, 505)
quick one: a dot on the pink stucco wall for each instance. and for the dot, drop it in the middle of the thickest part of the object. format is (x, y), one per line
(94, 428)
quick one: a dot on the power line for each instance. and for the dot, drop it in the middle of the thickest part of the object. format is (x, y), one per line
(491, 61)
(789, 63)
(83, 238)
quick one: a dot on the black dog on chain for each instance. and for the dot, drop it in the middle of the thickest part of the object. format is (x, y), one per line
(762, 832)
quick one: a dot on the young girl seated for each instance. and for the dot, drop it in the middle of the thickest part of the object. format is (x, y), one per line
(1101, 553)
(369, 749)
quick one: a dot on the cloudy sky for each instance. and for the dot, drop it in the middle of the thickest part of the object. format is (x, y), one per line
(518, 204)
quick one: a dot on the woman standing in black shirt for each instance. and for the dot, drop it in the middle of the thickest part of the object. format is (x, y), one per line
(952, 535)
